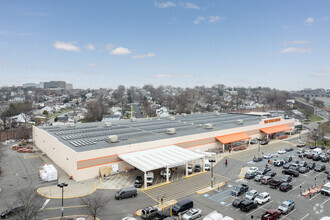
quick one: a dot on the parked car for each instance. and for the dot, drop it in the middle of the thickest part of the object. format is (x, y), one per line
(287, 165)
(190, 169)
(319, 168)
(316, 157)
(328, 176)
(192, 214)
(326, 189)
(238, 190)
(309, 156)
(182, 206)
(257, 159)
(324, 158)
(271, 214)
(262, 198)
(248, 205)
(328, 152)
(294, 166)
(258, 177)
(303, 170)
(311, 165)
(270, 173)
(302, 164)
(252, 170)
(12, 211)
(312, 147)
(290, 172)
(278, 162)
(164, 174)
(283, 151)
(197, 168)
(327, 171)
(263, 171)
(264, 142)
(251, 195)
(274, 183)
(268, 156)
(254, 141)
(285, 187)
(250, 175)
(289, 149)
(302, 155)
(149, 212)
(286, 179)
(288, 159)
(237, 202)
(138, 182)
(301, 144)
(286, 207)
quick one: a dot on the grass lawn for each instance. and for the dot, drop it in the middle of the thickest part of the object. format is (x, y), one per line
(312, 117)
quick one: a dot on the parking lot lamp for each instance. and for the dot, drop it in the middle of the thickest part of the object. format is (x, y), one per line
(258, 147)
(62, 185)
(212, 180)
(315, 181)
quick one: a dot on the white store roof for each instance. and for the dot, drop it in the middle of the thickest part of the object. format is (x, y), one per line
(153, 159)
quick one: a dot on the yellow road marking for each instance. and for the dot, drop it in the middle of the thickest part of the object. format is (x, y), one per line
(124, 180)
(157, 179)
(119, 180)
(65, 207)
(109, 186)
(107, 183)
(31, 156)
(130, 180)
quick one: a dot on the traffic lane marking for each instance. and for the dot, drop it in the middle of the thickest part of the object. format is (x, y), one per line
(286, 216)
(124, 181)
(129, 181)
(66, 207)
(296, 187)
(114, 183)
(305, 216)
(325, 201)
(314, 197)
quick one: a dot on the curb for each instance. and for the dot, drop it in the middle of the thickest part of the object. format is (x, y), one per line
(68, 216)
(155, 186)
(195, 174)
(210, 189)
(138, 212)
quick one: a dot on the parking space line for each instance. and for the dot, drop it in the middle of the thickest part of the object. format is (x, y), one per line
(129, 180)
(305, 216)
(319, 174)
(289, 214)
(296, 187)
(325, 201)
(314, 197)
(109, 183)
(260, 207)
(124, 181)
(114, 183)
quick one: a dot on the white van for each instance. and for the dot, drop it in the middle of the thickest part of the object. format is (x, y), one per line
(207, 165)
(317, 151)
(150, 178)
(326, 189)
(215, 215)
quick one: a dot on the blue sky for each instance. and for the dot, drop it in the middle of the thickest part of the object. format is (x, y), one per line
(279, 44)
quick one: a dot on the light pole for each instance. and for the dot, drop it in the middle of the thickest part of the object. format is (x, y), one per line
(259, 139)
(315, 181)
(212, 161)
(62, 185)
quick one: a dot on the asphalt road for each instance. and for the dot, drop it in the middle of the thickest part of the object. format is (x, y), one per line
(138, 111)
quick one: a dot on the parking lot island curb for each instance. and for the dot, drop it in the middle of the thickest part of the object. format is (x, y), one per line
(155, 186)
(165, 205)
(69, 216)
(195, 174)
(208, 189)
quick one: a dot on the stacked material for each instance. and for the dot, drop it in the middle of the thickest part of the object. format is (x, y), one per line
(49, 173)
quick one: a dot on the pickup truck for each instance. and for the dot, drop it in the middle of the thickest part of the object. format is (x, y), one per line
(274, 183)
(271, 215)
(238, 190)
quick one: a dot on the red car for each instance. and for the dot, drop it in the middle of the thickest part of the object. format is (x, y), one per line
(271, 215)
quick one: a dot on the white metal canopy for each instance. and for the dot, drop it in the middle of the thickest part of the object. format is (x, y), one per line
(153, 159)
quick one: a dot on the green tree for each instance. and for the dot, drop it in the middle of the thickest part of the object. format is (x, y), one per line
(45, 112)
(56, 119)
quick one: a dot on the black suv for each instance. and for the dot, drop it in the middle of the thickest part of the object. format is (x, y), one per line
(274, 183)
(285, 187)
(138, 182)
(197, 168)
(248, 205)
(263, 171)
(319, 168)
(238, 190)
(11, 211)
(290, 172)
(237, 202)
(287, 159)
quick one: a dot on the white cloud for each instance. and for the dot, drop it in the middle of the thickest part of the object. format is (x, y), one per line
(90, 47)
(199, 19)
(309, 21)
(216, 18)
(60, 45)
(92, 64)
(296, 42)
(296, 50)
(190, 5)
(164, 75)
(141, 56)
(121, 51)
(165, 4)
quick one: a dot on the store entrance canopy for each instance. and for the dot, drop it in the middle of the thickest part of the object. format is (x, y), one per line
(230, 138)
(170, 156)
(275, 129)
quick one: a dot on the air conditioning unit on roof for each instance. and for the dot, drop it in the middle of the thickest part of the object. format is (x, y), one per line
(208, 126)
(113, 138)
(133, 119)
(107, 124)
(170, 131)
(239, 122)
(171, 118)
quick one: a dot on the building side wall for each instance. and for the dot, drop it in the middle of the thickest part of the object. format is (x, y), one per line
(62, 155)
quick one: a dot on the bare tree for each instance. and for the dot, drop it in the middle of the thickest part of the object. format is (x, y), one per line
(316, 135)
(94, 203)
(32, 202)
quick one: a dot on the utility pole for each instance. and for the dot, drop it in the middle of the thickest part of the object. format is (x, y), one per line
(212, 178)
(62, 185)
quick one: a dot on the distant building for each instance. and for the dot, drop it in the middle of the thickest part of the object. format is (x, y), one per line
(68, 86)
(31, 85)
(55, 85)
(110, 118)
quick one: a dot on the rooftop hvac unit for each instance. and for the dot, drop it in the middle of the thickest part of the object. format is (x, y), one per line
(208, 126)
(133, 119)
(170, 131)
(198, 112)
(72, 124)
(171, 118)
(239, 122)
(184, 114)
(113, 138)
(107, 124)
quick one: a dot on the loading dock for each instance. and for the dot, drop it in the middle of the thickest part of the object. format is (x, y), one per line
(162, 157)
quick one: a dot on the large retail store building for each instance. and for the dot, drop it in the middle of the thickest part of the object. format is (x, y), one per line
(82, 149)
